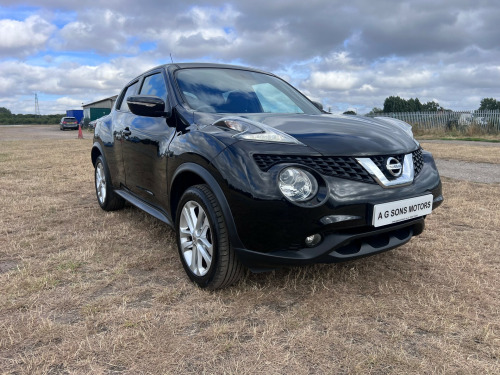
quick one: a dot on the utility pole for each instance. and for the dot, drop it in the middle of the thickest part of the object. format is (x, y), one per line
(37, 107)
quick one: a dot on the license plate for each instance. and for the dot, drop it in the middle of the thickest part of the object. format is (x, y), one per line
(394, 212)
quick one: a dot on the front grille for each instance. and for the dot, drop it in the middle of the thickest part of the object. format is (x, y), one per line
(418, 161)
(335, 166)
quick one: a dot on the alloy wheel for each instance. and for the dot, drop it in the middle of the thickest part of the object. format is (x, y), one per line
(196, 238)
(100, 183)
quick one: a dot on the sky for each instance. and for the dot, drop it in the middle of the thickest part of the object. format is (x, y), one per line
(349, 55)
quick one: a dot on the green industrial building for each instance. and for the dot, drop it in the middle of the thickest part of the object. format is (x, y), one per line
(93, 111)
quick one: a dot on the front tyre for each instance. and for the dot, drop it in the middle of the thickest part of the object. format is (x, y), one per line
(106, 197)
(202, 240)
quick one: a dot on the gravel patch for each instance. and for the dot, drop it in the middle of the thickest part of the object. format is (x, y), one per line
(7, 265)
(30, 132)
(474, 172)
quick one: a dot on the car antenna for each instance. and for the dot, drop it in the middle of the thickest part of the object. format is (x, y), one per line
(171, 59)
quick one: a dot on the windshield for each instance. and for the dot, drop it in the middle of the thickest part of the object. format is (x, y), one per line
(219, 90)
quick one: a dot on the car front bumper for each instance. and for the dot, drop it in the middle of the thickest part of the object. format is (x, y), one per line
(337, 246)
(272, 230)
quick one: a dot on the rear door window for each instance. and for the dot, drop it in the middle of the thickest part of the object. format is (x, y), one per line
(129, 92)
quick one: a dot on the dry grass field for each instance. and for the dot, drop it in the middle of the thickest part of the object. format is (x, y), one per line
(467, 152)
(84, 291)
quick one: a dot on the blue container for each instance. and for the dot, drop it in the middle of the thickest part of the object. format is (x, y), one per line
(76, 113)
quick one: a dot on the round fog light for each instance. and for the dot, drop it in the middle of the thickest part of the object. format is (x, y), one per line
(313, 240)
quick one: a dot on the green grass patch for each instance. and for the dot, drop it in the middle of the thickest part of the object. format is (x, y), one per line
(69, 266)
(471, 139)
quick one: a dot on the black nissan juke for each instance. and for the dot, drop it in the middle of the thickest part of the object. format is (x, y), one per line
(251, 173)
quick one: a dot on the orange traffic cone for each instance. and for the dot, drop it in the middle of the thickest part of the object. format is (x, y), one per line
(80, 134)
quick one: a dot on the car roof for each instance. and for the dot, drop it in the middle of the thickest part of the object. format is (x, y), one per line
(177, 66)
(209, 65)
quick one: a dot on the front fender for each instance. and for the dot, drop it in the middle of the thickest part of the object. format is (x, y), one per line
(96, 151)
(190, 169)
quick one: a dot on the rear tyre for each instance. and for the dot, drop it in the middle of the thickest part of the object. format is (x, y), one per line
(202, 240)
(106, 197)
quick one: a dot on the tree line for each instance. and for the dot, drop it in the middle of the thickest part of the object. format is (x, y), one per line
(394, 104)
(8, 118)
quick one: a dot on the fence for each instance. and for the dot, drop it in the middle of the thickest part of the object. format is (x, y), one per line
(448, 120)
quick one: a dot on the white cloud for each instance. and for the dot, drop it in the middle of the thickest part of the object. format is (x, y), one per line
(210, 33)
(22, 38)
(74, 83)
(103, 31)
(67, 102)
(367, 88)
(404, 77)
(337, 80)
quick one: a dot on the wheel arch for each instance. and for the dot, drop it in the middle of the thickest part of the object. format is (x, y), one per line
(190, 174)
(96, 152)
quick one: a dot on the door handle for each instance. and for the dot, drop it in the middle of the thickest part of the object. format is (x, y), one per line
(126, 131)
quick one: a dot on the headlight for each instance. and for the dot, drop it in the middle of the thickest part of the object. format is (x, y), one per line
(254, 131)
(297, 184)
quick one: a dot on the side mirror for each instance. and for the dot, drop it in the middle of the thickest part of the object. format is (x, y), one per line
(147, 105)
(318, 105)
